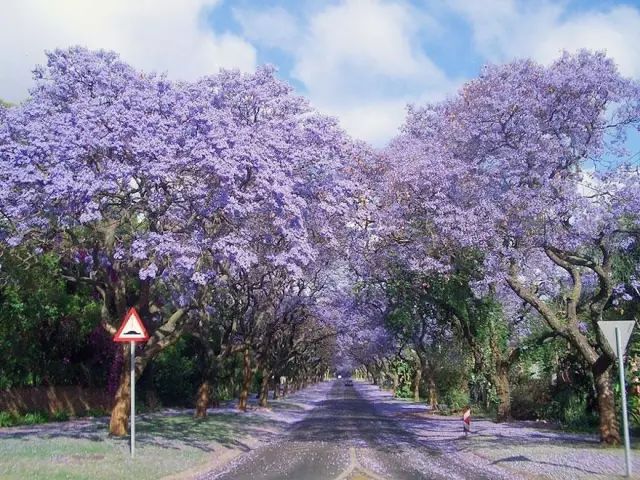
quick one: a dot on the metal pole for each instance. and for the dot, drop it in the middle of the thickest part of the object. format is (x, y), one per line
(132, 347)
(623, 391)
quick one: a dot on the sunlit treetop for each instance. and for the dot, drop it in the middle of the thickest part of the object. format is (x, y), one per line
(505, 166)
(142, 176)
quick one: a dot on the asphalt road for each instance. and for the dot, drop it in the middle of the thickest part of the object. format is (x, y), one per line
(346, 438)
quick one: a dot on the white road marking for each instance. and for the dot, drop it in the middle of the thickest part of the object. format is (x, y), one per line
(355, 467)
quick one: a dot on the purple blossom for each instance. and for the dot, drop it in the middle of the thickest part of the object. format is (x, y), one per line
(148, 272)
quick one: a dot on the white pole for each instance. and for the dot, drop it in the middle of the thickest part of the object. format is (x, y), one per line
(623, 391)
(133, 397)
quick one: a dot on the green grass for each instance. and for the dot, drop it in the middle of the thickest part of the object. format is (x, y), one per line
(164, 446)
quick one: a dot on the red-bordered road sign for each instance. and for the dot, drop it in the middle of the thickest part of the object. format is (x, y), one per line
(132, 328)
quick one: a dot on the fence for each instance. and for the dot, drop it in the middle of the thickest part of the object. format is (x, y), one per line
(70, 399)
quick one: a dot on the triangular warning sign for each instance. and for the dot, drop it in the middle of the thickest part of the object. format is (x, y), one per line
(132, 329)
(625, 328)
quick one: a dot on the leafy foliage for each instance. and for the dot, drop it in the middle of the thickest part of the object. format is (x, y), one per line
(45, 326)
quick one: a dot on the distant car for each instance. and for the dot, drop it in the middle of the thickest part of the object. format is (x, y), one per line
(348, 383)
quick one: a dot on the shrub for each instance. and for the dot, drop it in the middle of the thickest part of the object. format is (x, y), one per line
(59, 416)
(571, 408)
(7, 419)
(456, 399)
(577, 416)
(404, 390)
(33, 418)
(634, 410)
(97, 412)
(530, 400)
(175, 375)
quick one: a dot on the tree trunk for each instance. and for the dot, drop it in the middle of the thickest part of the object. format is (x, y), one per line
(369, 374)
(609, 427)
(394, 379)
(433, 392)
(264, 388)
(118, 424)
(246, 381)
(172, 328)
(503, 391)
(416, 384)
(203, 400)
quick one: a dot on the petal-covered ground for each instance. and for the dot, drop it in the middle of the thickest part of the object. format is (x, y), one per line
(523, 450)
(168, 444)
(351, 435)
(327, 431)
(363, 432)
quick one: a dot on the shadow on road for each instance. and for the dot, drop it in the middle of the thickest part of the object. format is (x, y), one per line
(522, 458)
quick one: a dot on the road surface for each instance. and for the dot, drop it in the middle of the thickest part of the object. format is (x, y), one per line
(345, 437)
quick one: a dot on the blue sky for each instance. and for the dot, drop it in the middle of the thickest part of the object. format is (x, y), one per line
(360, 60)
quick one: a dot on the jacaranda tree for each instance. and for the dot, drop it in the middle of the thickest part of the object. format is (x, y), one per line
(507, 167)
(154, 192)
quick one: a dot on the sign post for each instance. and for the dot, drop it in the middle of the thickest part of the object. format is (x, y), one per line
(132, 362)
(132, 331)
(617, 334)
(623, 392)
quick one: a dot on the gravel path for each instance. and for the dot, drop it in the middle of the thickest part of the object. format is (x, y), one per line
(351, 435)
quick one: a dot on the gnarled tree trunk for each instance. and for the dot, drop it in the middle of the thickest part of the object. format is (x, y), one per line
(170, 330)
(609, 426)
(246, 380)
(503, 391)
(275, 383)
(394, 380)
(264, 387)
(203, 399)
(599, 361)
(119, 422)
(417, 378)
(433, 391)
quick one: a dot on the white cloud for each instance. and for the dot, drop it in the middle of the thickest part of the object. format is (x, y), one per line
(362, 38)
(359, 60)
(378, 120)
(504, 29)
(375, 122)
(159, 35)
